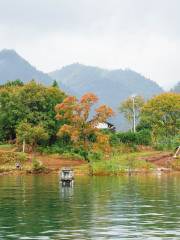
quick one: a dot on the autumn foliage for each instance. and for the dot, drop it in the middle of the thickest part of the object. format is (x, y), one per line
(82, 130)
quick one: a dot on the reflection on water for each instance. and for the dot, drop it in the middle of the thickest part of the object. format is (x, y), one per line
(66, 191)
(141, 207)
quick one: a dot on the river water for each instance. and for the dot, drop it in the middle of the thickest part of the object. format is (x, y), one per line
(135, 207)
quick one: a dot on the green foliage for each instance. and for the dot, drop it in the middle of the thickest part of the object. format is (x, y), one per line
(69, 150)
(32, 103)
(121, 163)
(64, 150)
(167, 143)
(22, 157)
(37, 166)
(143, 126)
(142, 137)
(95, 156)
(16, 82)
(12, 157)
(31, 134)
(162, 114)
(61, 145)
(55, 84)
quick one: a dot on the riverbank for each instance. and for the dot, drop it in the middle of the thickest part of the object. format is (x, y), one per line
(144, 161)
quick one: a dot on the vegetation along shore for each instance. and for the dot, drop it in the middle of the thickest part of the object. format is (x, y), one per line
(43, 129)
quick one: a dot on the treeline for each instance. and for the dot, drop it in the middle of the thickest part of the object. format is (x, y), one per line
(158, 120)
(33, 115)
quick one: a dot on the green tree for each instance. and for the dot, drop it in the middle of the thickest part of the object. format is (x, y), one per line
(32, 135)
(55, 84)
(32, 103)
(162, 114)
(16, 82)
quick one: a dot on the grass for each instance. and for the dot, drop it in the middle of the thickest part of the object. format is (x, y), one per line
(6, 147)
(8, 167)
(8, 159)
(122, 163)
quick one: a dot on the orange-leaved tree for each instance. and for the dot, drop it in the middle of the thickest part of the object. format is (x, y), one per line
(82, 130)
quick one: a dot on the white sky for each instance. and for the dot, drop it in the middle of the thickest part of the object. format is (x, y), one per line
(143, 35)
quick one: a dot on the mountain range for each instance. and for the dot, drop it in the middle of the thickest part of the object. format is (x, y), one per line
(13, 66)
(111, 86)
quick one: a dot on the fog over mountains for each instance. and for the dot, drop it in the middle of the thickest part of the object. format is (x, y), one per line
(114, 85)
(111, 87)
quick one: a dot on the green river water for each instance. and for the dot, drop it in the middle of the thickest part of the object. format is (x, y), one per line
(135, 207)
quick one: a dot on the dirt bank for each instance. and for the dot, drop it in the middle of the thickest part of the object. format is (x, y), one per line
(162, 159)
(53, 163)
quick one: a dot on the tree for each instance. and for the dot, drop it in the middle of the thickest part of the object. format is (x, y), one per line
(32, 103)
(162, 113)
(77, 124)
(32, 135)
(55, 84)
(126, 108)
(16, 82)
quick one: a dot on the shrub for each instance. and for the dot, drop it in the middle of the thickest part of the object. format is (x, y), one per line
(95, 156)
(142, 137)
(114, 140)
(22, 157)
(37, 166)
(167, 143)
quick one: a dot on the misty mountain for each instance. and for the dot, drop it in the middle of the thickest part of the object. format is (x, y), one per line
(176, 88)
(112, 87)
(13, 66)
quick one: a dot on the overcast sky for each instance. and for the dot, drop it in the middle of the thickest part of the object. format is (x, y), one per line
(143, 35)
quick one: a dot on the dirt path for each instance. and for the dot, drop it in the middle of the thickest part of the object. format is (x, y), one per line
(160, 159)
(56, 163)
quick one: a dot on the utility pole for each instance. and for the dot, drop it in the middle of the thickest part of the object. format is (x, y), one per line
(24, 144)
(134, 113)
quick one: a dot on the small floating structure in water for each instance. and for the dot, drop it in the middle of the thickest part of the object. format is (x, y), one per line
(67, 177)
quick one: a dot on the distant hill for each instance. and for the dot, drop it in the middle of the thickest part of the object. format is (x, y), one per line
(111, 87)
(13, 66)
(176, 88)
